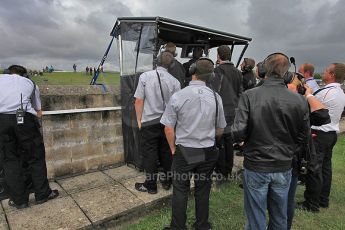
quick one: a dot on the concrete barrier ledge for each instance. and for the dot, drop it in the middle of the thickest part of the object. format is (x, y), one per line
(69, 111)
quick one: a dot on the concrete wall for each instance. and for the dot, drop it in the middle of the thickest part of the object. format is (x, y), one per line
(78, 142)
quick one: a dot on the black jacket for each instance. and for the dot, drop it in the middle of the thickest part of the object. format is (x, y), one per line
(186, 66)
(273, 122)
(249, 80)
(178, 71)
(227, 82)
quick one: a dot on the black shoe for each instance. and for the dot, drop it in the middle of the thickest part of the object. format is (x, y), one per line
(304, 207)
(142, 188)
(166, 185)
(53, 194)
(21, 206)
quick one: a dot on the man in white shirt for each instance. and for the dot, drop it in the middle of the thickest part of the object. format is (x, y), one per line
(307, 70)
(318, 186)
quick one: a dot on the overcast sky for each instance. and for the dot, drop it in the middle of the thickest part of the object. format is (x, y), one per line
(36, 33)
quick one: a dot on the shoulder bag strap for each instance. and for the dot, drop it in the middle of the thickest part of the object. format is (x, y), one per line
(319, 90)
(216, 123)
(160, 86)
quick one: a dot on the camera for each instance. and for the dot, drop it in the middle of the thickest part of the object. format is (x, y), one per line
(300, 88)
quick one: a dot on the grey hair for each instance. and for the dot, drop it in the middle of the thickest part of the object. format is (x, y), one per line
(276, 64)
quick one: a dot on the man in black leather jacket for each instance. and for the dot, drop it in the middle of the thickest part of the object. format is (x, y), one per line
(227, 83)
(272, 122)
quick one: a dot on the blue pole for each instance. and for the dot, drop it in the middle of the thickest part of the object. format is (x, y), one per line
(96, 74)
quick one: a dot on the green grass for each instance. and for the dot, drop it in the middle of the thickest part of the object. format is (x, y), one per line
(78, 78)
(226, 205)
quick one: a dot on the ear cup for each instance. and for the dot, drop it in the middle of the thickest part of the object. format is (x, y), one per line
(288, 77)
(193, 67)
(164, 49)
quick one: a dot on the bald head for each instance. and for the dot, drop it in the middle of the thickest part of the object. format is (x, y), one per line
(307, 70)
(276, 64)
(204, 69)
(165, 59)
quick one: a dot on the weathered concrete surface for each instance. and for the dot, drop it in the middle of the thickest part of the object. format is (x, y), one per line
(84, 182)
(106, 202)
(122, 173)
(82, 142)
(85, 202)
(3, 222)
(60, 213)
(56, 97)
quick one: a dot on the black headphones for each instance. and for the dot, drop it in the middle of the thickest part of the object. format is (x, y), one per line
(247, 68)
(288, 76)
(164, 49)
(194, 67)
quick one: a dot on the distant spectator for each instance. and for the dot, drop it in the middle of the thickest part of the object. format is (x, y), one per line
(87, 69)
(75, 67)
(249, 80)
(176, 69)
(197, 53)
(91, 70)
(307, 70)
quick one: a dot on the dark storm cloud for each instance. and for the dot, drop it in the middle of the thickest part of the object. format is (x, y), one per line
(59, 32)
(39, 33)
(310, 31)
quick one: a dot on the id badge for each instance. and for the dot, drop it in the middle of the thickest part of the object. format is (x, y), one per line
(20, 116)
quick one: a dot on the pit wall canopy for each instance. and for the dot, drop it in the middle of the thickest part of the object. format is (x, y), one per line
(182, 33)
(139, 41)
(140, 38)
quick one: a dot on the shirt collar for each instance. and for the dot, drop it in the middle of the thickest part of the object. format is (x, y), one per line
(197, 82)
(227, 62)
(309, 79)
(161, 68)
(333, 84)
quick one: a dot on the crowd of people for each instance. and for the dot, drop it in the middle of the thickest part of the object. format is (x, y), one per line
(191, 115)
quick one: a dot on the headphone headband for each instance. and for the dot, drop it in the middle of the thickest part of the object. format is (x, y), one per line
(277, 53)
(194, 67)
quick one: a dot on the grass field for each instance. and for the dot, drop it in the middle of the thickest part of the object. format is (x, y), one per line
(226, 205)
(78, 78)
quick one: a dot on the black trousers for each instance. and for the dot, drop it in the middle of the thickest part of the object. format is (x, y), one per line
(23, 142)
(318, 184)
(182, 173)
(226, 155)
(155, 149)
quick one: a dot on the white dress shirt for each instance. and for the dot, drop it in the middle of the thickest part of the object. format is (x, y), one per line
(333, 97)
